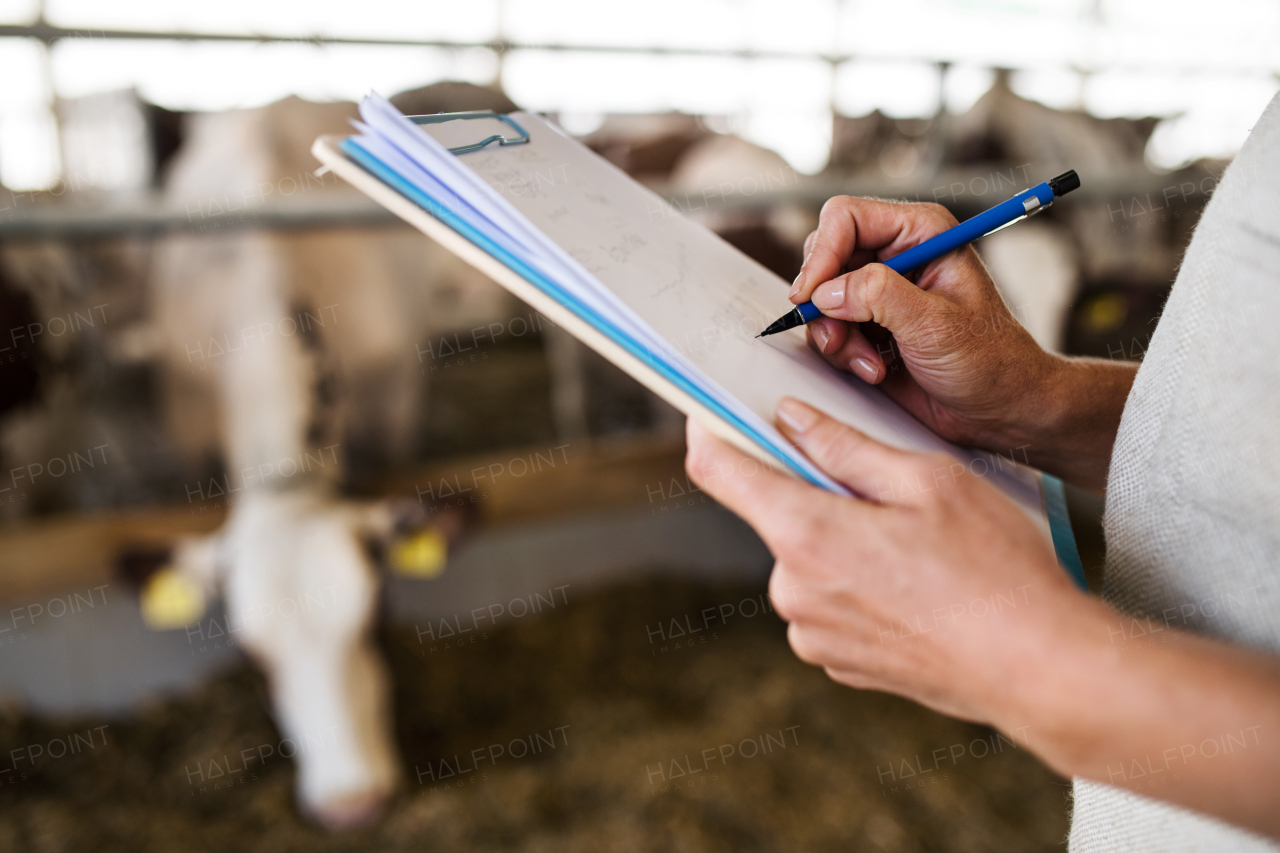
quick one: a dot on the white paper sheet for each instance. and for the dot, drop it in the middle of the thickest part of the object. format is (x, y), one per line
(673, 285)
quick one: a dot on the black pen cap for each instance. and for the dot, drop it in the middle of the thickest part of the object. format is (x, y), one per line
(1064, 183)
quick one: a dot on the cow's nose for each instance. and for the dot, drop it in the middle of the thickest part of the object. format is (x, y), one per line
(349, 811)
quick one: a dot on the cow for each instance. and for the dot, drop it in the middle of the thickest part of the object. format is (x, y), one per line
(293, 353)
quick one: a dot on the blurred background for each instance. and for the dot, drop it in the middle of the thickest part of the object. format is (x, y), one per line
(305, 526)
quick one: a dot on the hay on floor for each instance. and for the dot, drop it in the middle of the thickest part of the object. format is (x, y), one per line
(774, 756)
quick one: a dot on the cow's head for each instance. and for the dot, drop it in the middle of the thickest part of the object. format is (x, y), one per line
(294, 569)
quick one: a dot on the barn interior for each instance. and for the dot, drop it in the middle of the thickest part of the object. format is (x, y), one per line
(491, 518)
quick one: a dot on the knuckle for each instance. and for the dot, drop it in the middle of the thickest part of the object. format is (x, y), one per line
(940, 214)
(796, 639)
(873, 283)
(804, 643)
(695, 462)
(837, 203)
(790, 542)
(781, 592)
(822, 436)
(850, 678)
(833, 441)
(799, 538)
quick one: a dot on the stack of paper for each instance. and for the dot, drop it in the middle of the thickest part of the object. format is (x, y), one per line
(403, 155)
(663, 297)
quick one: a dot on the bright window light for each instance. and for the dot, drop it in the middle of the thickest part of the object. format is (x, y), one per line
(1207, 75)
(470, 20)
(1010, 33)
(1112, 94)
(19, 11)
(1159, 34)
(26, 84)
(1057, 87)
(783, 101)
(897, 89)
(803, 139)
(702, 23)
(1216, 125)
(800, 25)
(212, 76)
(964, 85)
(623, 83)
(29, 150)
(582, 124)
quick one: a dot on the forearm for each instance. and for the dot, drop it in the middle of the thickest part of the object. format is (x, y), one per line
(1069, 428)
(1167, 714)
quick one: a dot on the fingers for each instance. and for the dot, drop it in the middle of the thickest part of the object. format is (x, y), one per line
(786, 512)
(871, 469)
(851, 661)
(782, 592)
(827, 336)
(878, 294)
(845, 347)
(854, 679)
(811, 639)
(849, 224)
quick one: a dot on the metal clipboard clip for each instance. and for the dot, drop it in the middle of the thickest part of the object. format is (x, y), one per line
(520, 139)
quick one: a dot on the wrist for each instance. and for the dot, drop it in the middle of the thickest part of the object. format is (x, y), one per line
(1037, 407)
(1057, 696)
(1100, 701)
(1070, 415)
(1043, 402)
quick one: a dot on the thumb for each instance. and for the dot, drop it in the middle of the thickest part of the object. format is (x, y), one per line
(782, 509)
(878, 294)
(874, 470)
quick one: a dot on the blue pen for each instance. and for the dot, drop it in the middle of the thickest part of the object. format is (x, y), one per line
(1003, 215)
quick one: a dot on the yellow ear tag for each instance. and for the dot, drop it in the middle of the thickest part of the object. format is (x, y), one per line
(170, 600)
(1106, 313)
(422, 555)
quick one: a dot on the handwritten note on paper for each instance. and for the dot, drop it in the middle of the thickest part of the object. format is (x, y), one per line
(703, 297)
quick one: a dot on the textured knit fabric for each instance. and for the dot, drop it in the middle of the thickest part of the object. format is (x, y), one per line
(1193, 497)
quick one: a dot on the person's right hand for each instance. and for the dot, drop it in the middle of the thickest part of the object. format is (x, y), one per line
(957, 360)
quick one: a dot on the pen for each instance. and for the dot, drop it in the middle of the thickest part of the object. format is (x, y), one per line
(1022, 205)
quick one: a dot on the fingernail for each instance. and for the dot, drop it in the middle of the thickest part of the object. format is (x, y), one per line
(797, 284)
(829, 295)
(822, 335)
(865, 370)
(796, 415)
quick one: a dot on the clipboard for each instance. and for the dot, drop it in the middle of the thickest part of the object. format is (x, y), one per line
(521, 137)
(644, 280)
(326, 149)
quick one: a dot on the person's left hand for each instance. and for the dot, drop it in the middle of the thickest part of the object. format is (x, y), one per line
(943, 591)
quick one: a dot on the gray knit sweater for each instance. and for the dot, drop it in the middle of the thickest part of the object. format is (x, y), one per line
(1193, 497)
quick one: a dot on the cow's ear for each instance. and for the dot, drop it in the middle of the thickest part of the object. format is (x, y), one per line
(173, 583)
(383, 519)
(136, 564)
(412, 539)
